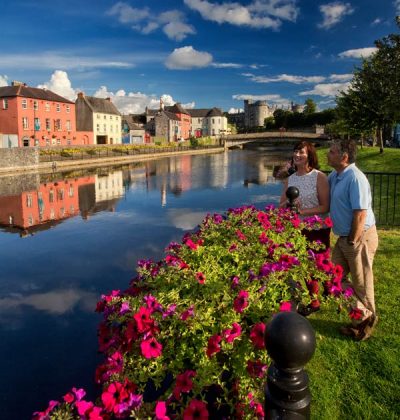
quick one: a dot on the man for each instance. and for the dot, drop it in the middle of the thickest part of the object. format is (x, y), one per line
(354, 223)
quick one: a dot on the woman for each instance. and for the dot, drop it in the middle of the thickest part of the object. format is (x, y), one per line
(313, 187)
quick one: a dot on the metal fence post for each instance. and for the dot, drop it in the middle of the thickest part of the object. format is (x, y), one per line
(290, 342)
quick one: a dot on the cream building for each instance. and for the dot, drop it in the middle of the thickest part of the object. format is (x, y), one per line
(208, 122)
(100, 116)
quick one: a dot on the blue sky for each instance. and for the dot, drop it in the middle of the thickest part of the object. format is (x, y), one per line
(202, 53)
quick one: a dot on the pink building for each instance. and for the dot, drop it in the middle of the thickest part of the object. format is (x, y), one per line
(38, 117)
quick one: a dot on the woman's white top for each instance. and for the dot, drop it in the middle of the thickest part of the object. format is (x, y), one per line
(307, 185)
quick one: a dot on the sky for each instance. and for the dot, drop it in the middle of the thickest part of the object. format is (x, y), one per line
(201, 53)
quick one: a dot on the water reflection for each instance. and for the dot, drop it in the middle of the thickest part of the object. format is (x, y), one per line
(84, 232)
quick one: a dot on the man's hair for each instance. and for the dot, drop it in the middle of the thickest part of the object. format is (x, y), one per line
(346, 146)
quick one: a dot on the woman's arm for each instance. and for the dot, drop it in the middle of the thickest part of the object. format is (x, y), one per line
(323, 197)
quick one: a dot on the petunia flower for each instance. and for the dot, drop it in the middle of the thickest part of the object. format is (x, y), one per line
(356, 314)
(213, 345)
(257, 335)
(161, 411)
(285, 306)
(256, 369)
(184, 383)
(151, 348)
(232, 333)
(241, 301)
(188, 313)
(200, 277)
(196, 410)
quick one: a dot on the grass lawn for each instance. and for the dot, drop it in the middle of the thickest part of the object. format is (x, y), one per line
(361, 380)
(368, 159)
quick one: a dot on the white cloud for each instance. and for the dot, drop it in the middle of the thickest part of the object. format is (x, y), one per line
(396, 4)
(326, 89)
(274, 98)
(227, 65)
(142, 20)
(341, 77)
(285, 78)
(258, 14)
(333, 13)
(377, 21)
(185, 219)
(3, 80)
(358, 53)
(51, 60)
(235, 110)
(59, 83)
(136, 102)
(186, 58)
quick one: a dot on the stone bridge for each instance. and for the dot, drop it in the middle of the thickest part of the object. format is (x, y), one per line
(273, 138)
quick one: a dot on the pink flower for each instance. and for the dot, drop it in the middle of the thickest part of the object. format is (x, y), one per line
(196, 410)
(213, 345)
(151, 348)
(69, 397)
(191, 244)
(348, 292)
(188, 313)
(257, 335)
(313, 287)
(285, 306)
(232, 248)
(83, 407)
(240, 235)
(241, 301)
(328, 222)
(143, 319)
(256, 369)
(200, 277)
(355, 313)
(161, 411)
(184, 383)
(234, 332)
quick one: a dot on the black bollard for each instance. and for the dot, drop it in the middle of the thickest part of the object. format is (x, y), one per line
(290, 342)
(292, 193)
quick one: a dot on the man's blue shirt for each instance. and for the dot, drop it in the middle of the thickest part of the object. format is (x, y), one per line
(350, 190)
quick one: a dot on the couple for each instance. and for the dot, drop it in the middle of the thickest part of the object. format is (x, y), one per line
(346, 194)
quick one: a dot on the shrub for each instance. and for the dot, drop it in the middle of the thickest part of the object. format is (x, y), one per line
(191, 326)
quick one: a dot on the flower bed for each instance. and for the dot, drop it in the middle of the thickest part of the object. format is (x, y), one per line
(186, 339)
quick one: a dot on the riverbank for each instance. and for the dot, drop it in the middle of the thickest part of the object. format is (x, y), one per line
(51, 166)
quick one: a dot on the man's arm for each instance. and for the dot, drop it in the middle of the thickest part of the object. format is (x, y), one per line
(357, 225)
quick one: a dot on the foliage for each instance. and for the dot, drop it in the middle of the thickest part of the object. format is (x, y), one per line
(372, 102)
(287, 119)
(194, 142)
(309, 106)
(192, 325)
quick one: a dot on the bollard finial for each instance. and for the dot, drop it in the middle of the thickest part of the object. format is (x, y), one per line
(292, 193)
(290, 342)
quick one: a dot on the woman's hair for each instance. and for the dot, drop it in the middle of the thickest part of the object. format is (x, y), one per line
(311, 153)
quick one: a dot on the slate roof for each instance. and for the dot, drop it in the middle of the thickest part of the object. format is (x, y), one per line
(170, 115)
(202, 113)
(31, 92)
(135, 122)
(104, 106)
(177, 109)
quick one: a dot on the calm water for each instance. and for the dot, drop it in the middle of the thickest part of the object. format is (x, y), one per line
(67, 238)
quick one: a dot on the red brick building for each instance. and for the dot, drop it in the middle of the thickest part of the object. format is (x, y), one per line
(38, 117)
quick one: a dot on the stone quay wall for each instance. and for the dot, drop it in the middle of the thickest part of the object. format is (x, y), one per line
(18, 157)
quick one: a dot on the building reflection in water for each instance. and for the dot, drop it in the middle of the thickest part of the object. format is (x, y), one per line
(41, 205)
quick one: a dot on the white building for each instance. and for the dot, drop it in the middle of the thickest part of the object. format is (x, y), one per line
(208, 122)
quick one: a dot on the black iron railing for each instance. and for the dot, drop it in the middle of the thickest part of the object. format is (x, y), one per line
(385, 188)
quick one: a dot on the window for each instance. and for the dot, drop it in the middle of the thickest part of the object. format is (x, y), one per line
(110, 117)
(37, 124)
(67, 108)
(47, 107)
(25, 123)
(57, 125)
(24, 104)
(47, 142)
(29, 201)
(48, 128)
(51, 196)
(35, 105)
(30, 220)
(104, 128)
(58, 108)
(68, 125)
(62, 211)
(97, 127)
(60, 194)
(5, 103)
(52, 215)
(112, 129)
(98, 116)
(58, 141)
(213, 120)
(71, 191)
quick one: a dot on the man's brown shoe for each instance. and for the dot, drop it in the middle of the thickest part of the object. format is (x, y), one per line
(349, 331)
(366, 327)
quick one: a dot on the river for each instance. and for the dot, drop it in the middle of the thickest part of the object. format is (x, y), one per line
(66, 238)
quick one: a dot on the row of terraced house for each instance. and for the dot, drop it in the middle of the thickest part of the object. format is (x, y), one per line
(35, 117)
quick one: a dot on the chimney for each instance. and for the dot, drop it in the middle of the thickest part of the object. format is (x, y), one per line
(161, 104)
(81, 95)
(17, 83)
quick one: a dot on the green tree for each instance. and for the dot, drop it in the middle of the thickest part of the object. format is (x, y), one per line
(309, 106)
(372, 101)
